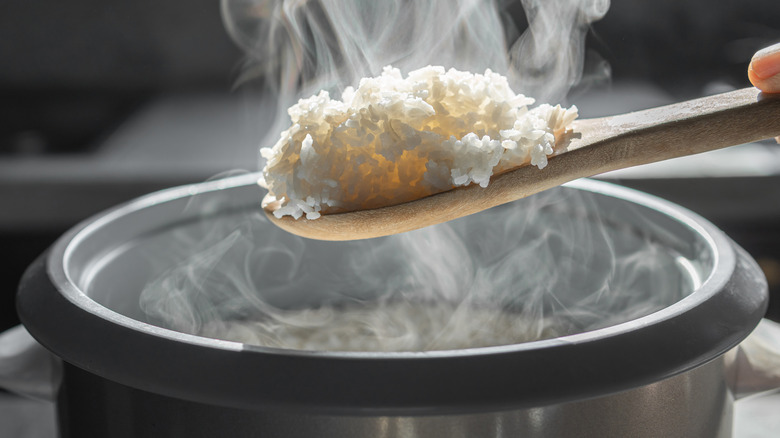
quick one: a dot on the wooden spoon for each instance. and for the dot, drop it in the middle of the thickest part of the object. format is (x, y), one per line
(595, 146)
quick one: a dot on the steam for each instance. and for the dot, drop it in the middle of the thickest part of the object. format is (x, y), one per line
(330, 44)
(539, 268)
(298, 47)
(548, 59)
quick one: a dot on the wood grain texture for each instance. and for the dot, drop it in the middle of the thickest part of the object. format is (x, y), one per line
(596, 146)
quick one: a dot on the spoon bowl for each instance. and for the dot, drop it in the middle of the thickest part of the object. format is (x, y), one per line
(593, 147)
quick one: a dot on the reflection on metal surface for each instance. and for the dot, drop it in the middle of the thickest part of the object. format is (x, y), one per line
(693, 404)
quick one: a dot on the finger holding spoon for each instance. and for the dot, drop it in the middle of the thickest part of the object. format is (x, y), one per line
(764, 69)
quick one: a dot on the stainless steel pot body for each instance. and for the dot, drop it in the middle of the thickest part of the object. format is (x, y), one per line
(696, 403)
(661, 374)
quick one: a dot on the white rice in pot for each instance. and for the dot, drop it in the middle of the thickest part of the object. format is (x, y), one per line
(396, 139)
(399, 326)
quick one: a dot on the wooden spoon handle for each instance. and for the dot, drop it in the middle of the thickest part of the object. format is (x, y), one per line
(611, 143)
(676, 130)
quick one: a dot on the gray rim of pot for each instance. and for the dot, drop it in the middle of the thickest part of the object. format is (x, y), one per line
(687, 334)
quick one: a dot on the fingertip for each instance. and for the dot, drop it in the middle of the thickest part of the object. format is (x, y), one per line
(755, 80)
(766, 62)
(764, 71)
(771, 85)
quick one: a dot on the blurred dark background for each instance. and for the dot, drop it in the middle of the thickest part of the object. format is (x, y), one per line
(103, 101)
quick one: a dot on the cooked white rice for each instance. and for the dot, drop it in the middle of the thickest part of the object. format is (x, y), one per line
(398, 326)
(396, 139)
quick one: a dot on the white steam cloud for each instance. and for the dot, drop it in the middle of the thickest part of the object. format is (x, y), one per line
(298, 47)
(548, 59)
(542, 267)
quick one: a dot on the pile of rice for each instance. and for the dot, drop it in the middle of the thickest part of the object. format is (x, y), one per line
(396, 139)
(389, 326)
